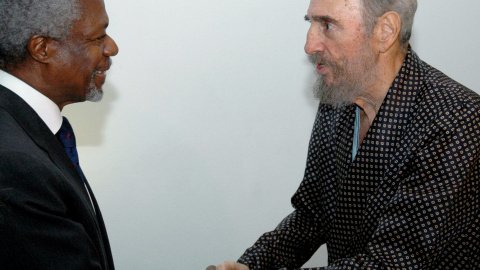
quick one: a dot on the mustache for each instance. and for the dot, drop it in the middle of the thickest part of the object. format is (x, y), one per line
(319, 59)
(314, 58)
(106, 67)
(109, 63)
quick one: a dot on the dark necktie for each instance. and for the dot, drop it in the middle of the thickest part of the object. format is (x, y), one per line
(67, 138)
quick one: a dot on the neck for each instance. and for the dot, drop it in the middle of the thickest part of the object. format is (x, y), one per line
(389, 64)
(368, 106)
(34, 75)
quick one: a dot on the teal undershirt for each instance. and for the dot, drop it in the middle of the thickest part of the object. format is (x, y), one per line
(356, 133)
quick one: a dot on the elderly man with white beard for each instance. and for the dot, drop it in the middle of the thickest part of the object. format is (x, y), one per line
(392, 174)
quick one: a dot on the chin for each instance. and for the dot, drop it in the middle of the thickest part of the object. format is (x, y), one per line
(94, 95)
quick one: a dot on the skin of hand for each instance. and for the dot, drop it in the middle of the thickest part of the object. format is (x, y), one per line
(231, 265)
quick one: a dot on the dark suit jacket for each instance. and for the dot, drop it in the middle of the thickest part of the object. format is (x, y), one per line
(411, 197)
(46, 217)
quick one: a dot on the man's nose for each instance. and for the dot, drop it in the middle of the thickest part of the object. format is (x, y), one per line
(111, 48)
(315, 42)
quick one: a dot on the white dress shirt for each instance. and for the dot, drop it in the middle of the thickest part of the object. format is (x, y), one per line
(42, 105)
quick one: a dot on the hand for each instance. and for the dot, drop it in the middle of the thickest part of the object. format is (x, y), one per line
(230, 265)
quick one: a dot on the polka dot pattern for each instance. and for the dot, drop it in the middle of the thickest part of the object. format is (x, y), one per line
(411, 197)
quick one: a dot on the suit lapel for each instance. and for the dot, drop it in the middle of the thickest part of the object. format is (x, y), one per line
(107, 252)
(344, 142)
(326, 165)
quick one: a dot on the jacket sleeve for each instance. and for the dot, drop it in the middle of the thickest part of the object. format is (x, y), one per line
(291, 244)
(300, 234)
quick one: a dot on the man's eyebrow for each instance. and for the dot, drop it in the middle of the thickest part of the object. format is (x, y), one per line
(325, 19)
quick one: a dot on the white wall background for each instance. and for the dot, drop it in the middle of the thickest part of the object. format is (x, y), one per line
(202, 136)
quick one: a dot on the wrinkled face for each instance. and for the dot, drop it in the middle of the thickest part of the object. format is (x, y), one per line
(341, 51)
(84, 57)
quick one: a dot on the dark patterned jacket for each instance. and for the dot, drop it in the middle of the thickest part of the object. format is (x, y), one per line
(411, 197)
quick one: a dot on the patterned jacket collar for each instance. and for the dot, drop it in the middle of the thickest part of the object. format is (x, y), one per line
(380, 148)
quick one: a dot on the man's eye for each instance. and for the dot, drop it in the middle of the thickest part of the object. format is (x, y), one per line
(328, 26)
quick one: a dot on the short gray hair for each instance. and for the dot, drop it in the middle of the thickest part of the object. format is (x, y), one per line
(373, 9)
(22, 19)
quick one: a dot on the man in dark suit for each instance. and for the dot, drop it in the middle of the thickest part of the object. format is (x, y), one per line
(393, 170)
(52, 53)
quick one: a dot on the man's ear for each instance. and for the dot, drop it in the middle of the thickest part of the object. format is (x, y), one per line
(387, 30)
(42, 48)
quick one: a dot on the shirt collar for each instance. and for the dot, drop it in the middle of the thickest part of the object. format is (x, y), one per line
(42, 105)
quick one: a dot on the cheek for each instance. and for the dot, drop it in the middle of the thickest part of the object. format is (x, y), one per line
(335, 51)
(88, 59)
(347, 50)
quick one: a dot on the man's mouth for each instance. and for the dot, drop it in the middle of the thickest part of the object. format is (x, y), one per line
(100, 74)
(319, 62)
(99, 77)
(102, 71)
(321, 68)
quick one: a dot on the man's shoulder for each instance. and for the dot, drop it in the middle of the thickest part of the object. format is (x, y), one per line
(12, 135)
(446, 92)
(19, 123)
(19, 154)
(8, 125)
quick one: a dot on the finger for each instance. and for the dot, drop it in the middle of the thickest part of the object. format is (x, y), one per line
(227, 265)
(211, 267)
(231, 265)
(242, 267)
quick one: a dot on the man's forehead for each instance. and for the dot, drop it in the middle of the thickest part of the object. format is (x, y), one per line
(94, 19)
(336, 9)
(94, 8)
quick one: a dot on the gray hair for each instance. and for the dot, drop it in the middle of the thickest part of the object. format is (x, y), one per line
(22, 19)
(373, 9)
